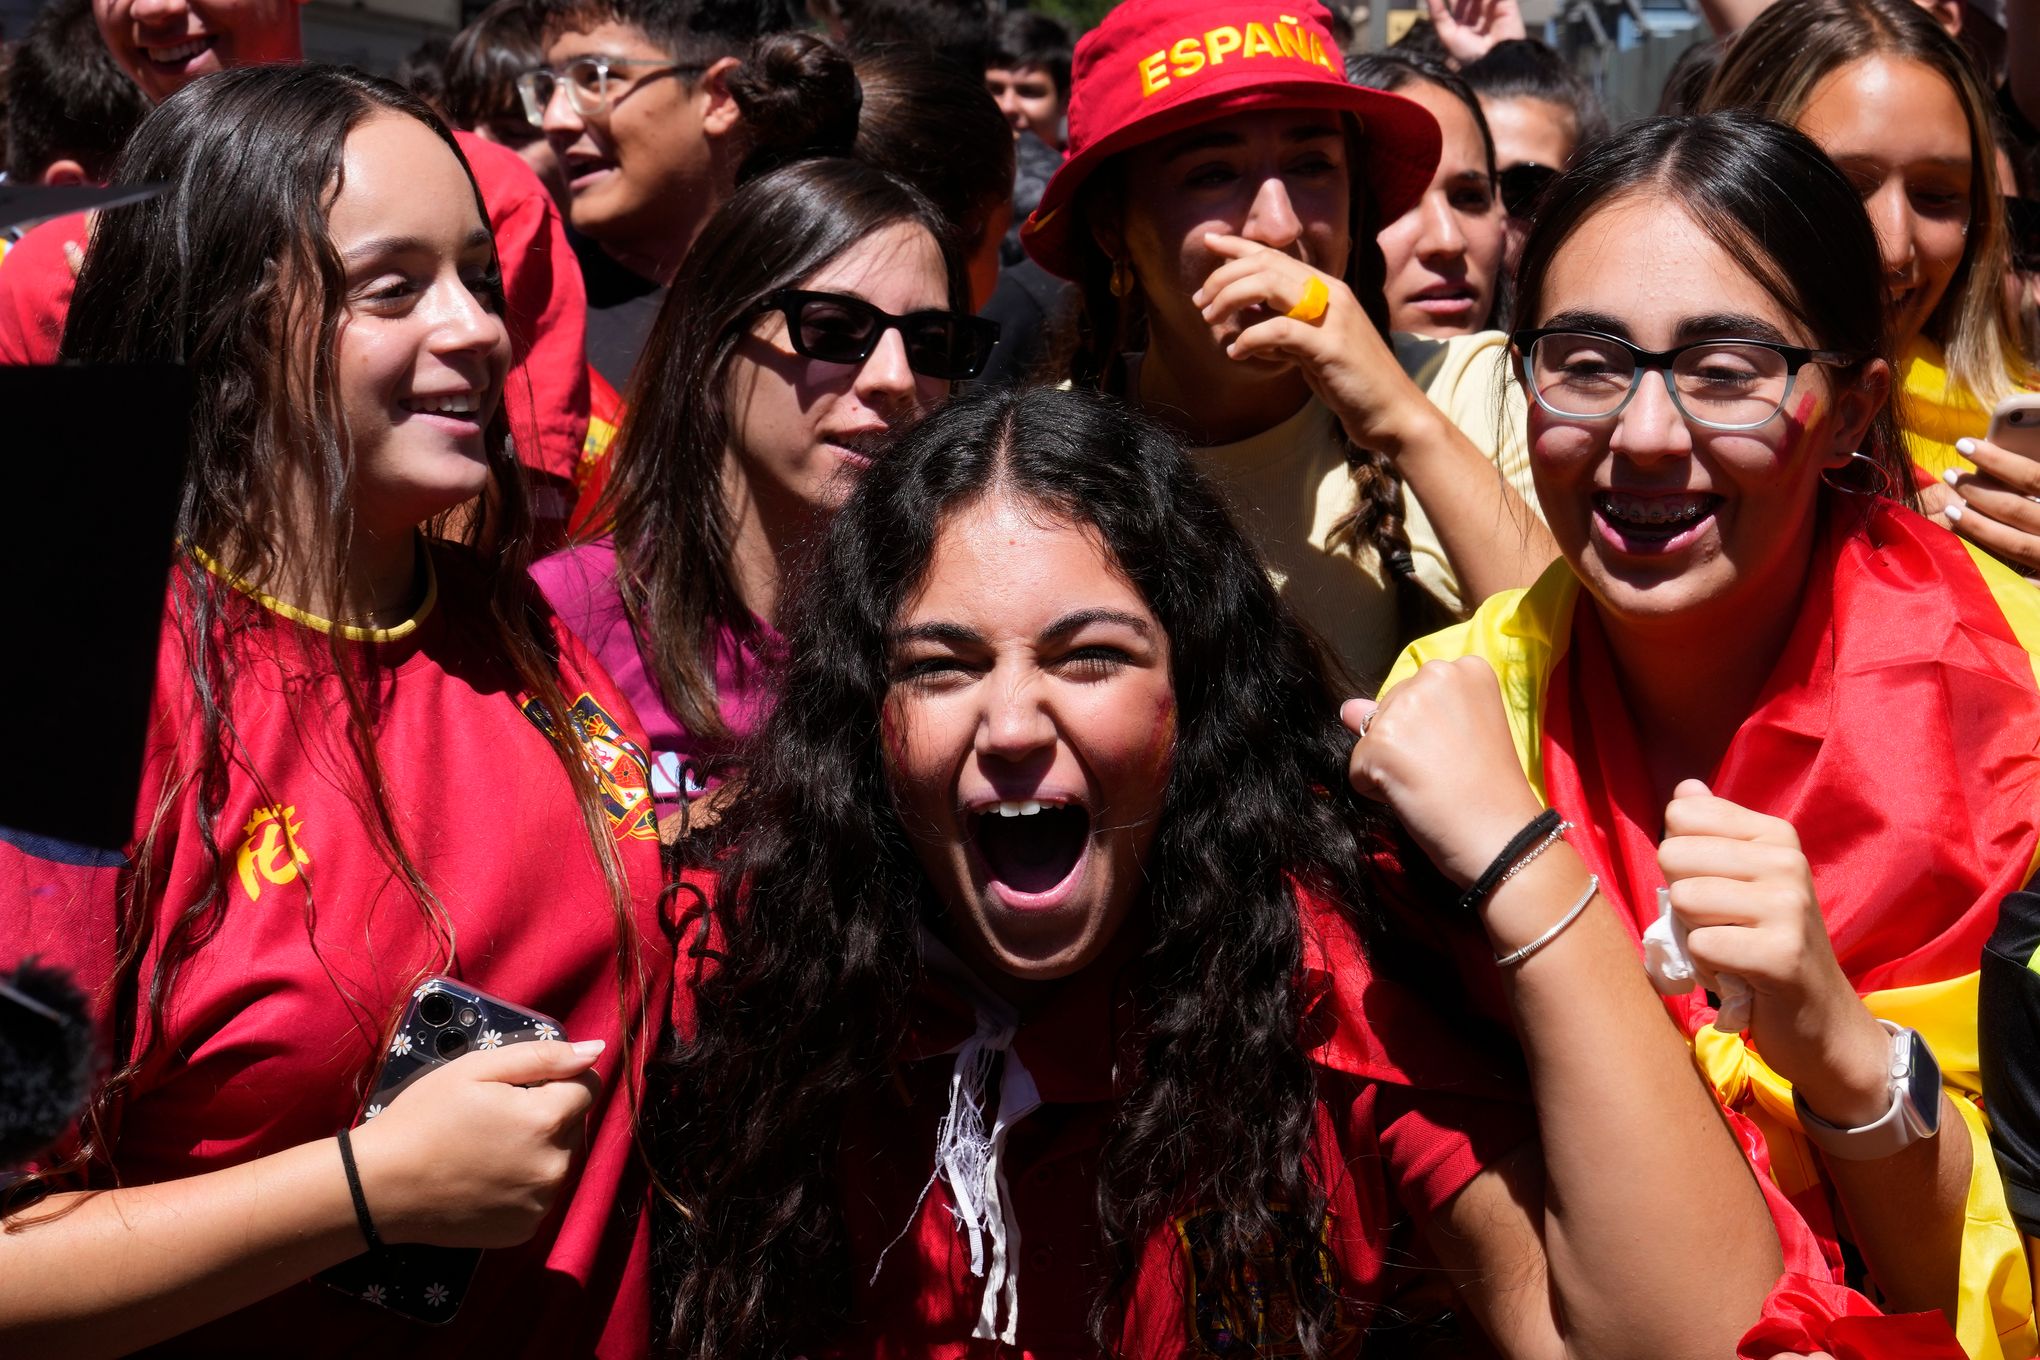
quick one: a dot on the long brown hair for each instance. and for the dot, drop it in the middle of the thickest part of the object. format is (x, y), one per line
(665, 498)
(232, 273)
(1773, 68)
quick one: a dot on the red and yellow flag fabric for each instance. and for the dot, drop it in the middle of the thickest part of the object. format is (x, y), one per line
(1899, 733)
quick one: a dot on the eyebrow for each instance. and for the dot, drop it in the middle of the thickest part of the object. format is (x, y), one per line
(399, 245)
(1083, 618)
(957, 635)
(1711, 326)
(1219, 139)
(1960, 163)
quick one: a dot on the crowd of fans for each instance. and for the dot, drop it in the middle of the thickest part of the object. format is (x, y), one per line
(878, 683)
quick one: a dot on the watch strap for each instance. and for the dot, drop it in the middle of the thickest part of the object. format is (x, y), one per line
(1897, 1129)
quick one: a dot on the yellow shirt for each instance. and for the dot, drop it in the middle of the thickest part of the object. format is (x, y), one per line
(1289, 488)
(1934, 411)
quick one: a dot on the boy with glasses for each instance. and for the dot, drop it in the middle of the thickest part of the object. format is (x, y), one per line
(636, 102)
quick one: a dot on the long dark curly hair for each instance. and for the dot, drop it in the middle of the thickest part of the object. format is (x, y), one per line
(820, 896)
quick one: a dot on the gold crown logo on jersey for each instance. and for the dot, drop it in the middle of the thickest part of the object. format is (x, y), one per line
(276, 856)
(1286, 37)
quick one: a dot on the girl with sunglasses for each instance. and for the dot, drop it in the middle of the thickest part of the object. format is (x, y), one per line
(1219, 212)
(1444, 255)
(1795, 725)
(373, 757)
(1053, 993)
(822, 306)
(1897, 105)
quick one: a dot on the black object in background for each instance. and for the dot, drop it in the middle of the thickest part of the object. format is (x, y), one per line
(95, 459)
(46, 1060)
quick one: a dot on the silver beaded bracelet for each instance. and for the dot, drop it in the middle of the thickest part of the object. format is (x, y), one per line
(1534, 851)
(1516, 956)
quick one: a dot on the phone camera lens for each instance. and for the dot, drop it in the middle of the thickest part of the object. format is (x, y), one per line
(435, 1008)
(450, 1043)
(467, 1016)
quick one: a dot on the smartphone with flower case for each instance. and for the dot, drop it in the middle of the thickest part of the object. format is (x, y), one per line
(445, 1018)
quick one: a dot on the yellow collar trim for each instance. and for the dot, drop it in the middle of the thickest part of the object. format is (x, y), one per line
(352, 632)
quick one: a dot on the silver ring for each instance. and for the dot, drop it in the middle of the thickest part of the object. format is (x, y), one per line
(1368, 721)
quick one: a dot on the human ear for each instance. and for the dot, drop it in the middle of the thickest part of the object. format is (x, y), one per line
(1108, 229)
(719, 112)
(1856, 406)
(63, 173)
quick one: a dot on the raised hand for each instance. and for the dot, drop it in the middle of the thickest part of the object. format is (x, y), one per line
(1344, 359)
(1468, 28)
(1437, 750)
(1744, 888)
(1995, 506)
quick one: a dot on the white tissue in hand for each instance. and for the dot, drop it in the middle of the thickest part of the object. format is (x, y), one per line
(1664, 950)
(1670, 965)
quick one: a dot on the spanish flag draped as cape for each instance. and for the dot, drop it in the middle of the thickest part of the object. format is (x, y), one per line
(1899, 733)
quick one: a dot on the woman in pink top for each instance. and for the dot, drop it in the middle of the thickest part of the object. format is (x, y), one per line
(821, 306)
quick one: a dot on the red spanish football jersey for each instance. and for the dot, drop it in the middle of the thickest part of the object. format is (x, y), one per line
(277, 1023)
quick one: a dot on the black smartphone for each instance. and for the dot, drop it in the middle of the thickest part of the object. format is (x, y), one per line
(444, 1019)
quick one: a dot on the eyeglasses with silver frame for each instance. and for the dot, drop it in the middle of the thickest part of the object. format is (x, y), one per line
(590, 91)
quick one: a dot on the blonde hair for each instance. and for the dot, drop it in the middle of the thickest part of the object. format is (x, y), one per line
(1773, 68)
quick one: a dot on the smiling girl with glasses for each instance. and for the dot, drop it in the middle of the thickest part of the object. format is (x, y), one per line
(1787, 714)
(824, 305)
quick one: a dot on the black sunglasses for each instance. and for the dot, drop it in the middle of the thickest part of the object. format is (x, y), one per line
(1522, 185)
(841, 329)
(2023, 217)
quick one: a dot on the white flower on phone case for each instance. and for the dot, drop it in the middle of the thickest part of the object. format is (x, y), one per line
(490, 1039)
(545, 1031)
(435, 1294)
(401, 1045)
(374, 1294)
(373, 1111)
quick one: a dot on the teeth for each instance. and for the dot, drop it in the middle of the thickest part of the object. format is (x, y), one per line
(182, 52)
(463, 405)
(1024, 808)
(1654, 509)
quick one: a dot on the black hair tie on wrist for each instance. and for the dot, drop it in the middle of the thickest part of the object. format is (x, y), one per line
(368, 1232)
(1543, 825)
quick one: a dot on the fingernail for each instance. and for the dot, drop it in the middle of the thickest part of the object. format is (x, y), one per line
(1953, 510)
(1965, 446)
(1952, 476)
(589, 1048)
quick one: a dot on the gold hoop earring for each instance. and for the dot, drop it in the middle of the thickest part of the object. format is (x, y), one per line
(1122, 279)
(1880, 485)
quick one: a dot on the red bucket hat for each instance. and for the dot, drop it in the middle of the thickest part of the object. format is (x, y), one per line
(1154, 67)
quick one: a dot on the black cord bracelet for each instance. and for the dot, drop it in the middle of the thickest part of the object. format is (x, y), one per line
(1543, 825)
(368, 1232)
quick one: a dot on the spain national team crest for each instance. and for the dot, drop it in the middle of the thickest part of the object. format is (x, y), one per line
(1258, 1316)
(622, 772)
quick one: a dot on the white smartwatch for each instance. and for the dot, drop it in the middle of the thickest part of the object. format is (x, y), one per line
(1915, 1111)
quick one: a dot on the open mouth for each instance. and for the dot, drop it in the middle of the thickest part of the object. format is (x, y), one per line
(450, 404)
(582, 169)
(1653, 521)
(179, 54)
(1030, 847)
